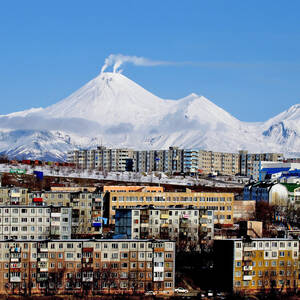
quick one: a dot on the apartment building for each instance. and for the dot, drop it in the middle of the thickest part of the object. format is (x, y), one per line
(170, 160)
(190, 161)
(35, 223)
(87, 266)
(190, 224)
(14, 195)
(218, 162)
(259, 264)
(101, 158)
(86, 208)
(220, 203)
(249, 162)
(132, 188)
(173, 160)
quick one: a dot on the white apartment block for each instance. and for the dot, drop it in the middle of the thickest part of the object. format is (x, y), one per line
(35, 222)
(165, 223)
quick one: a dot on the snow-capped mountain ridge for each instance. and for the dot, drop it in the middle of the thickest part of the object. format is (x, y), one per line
(107, 94)
(117, 112)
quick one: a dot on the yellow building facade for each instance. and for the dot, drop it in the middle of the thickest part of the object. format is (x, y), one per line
(220, 203)
(257, 265)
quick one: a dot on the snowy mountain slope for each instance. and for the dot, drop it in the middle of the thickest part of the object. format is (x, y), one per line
(115, 111)
(114, 98)
(284, 129)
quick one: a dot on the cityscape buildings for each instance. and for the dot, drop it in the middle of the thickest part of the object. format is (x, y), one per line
(173, 160)
(79, 266)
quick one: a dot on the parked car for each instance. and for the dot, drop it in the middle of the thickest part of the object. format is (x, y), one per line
(181, 290)
(150, 293)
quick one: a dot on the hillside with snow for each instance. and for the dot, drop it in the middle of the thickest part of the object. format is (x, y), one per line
(115, 111)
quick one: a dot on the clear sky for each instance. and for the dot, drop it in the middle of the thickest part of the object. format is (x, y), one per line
(242, 55)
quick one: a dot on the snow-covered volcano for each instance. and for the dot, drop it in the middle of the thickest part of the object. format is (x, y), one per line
(117, 112)
(113, 98)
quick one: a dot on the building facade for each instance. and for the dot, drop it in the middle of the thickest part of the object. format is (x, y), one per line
(190, 224)
(87, 208)
(14, 196)
(173, 160)
(220, 203)
(101, 158)
(249, 163)
(87, 267)
(35, 223)
(253, 265)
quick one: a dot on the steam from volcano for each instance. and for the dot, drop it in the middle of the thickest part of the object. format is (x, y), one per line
(116, 60)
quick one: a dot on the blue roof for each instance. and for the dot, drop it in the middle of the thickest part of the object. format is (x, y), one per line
(274, 170)
(296, 171)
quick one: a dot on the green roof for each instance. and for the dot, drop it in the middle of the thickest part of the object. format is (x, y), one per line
(291, 186)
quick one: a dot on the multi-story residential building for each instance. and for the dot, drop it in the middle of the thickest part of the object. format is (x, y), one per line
(14, 195)
(218, 162)
(35, 222)
(101, 158)
(87, 266)
(190, 224)
(132, 188)
(73, 188)
(173, 160)
(86, 208)
(190, 161)
(249, 162)
(221, 203)
(140, 161)
(260, 264)
(170, 161)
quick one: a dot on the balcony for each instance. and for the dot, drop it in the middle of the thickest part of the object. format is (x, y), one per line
(55, 223)
(87, 279)
(15, 279)
(164, 216)
(247, 268)
(43, 259)
(43, 269)
(247, 277)
(43, 249)
(57, 215)
(87, 249)
(37, 200)
(87, 260)
(248, 248)
(96, 224)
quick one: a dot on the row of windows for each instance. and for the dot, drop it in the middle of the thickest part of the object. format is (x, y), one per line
(169, 199)
(261, 283)
(268, 272)
(273, 263)
(24, 210)
(274, 244)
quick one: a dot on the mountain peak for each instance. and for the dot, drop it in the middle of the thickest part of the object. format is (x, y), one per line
(119, 112)
(294, 108)
(111, 97)
(193, 95)
(291, 114)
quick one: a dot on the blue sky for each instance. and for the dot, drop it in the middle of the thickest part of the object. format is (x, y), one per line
(243, 55)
